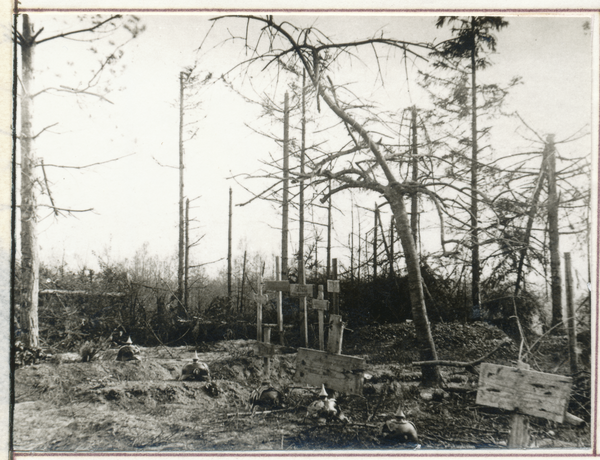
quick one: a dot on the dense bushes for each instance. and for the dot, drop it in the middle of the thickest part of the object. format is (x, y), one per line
(108, 306)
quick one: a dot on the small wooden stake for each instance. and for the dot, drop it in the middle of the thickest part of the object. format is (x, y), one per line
(519, 432)
(519, 424)
(336, 304)
(267, 361)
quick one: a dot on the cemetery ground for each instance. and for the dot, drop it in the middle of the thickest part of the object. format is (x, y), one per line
(106, 405)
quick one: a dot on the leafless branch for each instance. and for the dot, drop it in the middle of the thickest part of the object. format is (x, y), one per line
(48, 188)
(46, 128)
(91, 164)
(88, 29)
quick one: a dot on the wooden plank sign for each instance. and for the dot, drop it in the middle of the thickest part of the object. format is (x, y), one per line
(320, 304)
(280, 286)
(301, 290)
(333, 286)
(339, 372)
(528, 392)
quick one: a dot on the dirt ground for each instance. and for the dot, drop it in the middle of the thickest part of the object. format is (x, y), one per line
(105, 405)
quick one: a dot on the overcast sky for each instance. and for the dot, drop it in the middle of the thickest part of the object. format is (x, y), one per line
(135, 199)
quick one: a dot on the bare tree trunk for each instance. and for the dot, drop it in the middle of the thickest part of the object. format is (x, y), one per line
(186, 262)
(243, 281)
(229, 244)
(301, 276)
(181, 217)
(352, 242)
(417, 299)
(329, 232)
(359, 250)
(30, 267)
(388, 251)
(286, 182)
(530, 216)
(414, 199)
(570, 315)
(394, 196)
(375, 238)
(553, 234)
(475, 266)
(392, 237)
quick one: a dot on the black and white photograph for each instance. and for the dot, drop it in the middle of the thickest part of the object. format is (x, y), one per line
(287, 231)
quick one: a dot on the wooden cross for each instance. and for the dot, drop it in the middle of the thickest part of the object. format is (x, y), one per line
(260, 299)
(333, 287)
(295, 290)
(525, 392)
(321, 306)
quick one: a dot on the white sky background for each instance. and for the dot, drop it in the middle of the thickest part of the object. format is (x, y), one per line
(136, 201)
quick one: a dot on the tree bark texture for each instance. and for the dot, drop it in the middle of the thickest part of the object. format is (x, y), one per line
(286, 182)
(186, 261)
(570, 315)
(414, 199)
(431, 374)
(30, 265)
(181, 216)
(229, 234)
(530, 216)
(475, 266)
(553, 234)
(417, 298)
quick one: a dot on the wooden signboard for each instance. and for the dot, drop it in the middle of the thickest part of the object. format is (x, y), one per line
(301, 290)
(338, 372)
(279, 286)
(528, 392)
(265, 350)
(333, 286)
(320, 304)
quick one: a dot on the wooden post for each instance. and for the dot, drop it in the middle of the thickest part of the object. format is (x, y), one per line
(572, 330)
(267, 361)
(336, 334)
(519, 432)
(321, 305)
(279, 303)
(260, 299)
(303, 303)
(519, 424)
(336, 301)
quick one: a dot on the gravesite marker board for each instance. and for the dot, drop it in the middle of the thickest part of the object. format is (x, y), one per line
(528, 392)
(338, 372)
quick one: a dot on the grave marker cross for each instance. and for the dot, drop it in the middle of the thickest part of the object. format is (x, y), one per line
(260, 299)
(321, 306)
